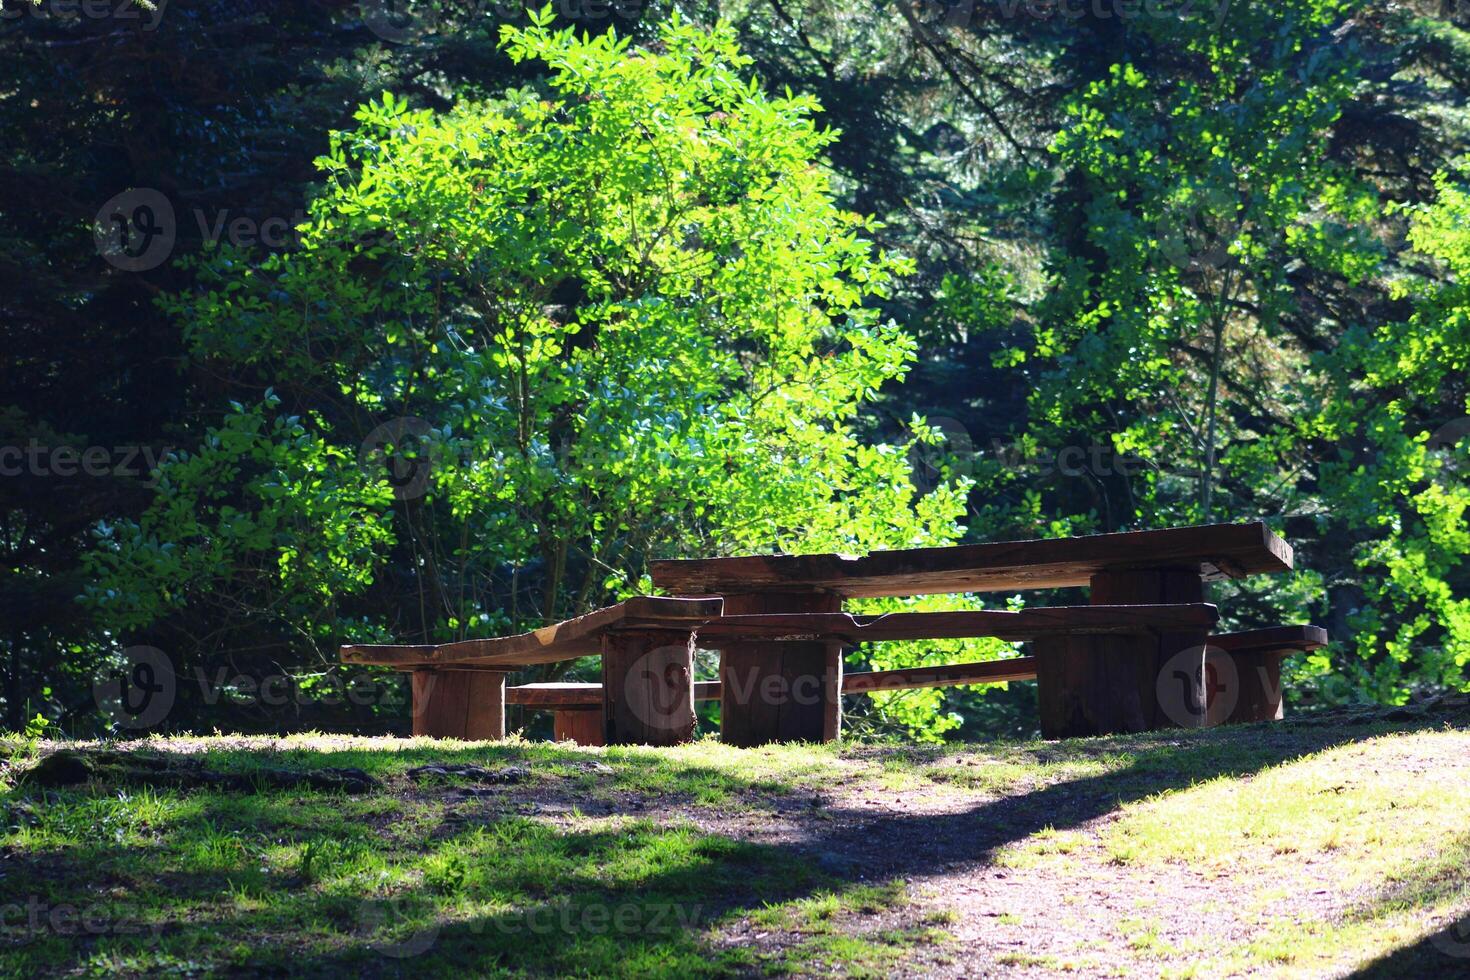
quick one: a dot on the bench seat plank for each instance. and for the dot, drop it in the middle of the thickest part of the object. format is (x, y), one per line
(580, 637)
(946, 675)
(587, 694)
(1287, 639)
(1216, 551)
(570, 640)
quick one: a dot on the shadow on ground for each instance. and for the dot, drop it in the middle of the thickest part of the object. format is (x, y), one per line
(544, 900)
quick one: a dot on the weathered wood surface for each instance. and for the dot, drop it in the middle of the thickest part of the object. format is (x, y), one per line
(1018, 626)
(1099, 684)
(823, 627)
(1213, 551)
(580, 637)
(779, 690)
(1278, 640)
(467, 704)
(581, 725)
(573, 694)
(945, 675)
(1281, 639)
(648, 687)
(1243, 672)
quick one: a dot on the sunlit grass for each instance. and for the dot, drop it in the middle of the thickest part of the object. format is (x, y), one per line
(535, 876)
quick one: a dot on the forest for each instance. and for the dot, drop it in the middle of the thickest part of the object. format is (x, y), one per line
(332, 323)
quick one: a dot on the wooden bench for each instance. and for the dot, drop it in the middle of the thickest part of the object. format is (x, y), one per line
(648, 644)
(1134, 659)
(577, 706)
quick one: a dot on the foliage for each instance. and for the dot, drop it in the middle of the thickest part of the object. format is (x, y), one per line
(1409, 494)
(1168, 263)
(622, 317)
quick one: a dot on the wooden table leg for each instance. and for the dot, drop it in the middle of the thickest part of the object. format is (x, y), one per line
(648, 687)
(1097, 685)
(780, 691)
(1257, 677)
(581, 725)
(466, 704)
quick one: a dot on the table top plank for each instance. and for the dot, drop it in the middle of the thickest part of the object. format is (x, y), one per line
(1217, 551)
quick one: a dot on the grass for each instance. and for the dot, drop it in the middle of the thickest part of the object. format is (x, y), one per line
(1321, 851)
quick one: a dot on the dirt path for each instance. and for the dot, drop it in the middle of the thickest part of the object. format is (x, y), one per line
(1023, 899)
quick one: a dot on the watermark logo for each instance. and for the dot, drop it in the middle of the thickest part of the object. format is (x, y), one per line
(399, 21)
(390, 915)
(1198, 687)
(953, 455)
(36, 459)
(1454, 940)
(1199, 236)
(658, 689)
(150, 13)
(404, 449)
(758, 686)
(934, 16)
(135, 230)
(37, 918)
(1449, 435)
(406, 21)
(140, 692)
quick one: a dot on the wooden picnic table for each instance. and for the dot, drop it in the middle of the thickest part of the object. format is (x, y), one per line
(1134, 659)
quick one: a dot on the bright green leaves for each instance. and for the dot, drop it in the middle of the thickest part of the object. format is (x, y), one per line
(624, 307)
(264, 503)
(1412, 491)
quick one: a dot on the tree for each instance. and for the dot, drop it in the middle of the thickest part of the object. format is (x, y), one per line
(621, 316)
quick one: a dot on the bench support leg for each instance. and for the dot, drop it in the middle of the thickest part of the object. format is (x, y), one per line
(1099, 685)
(465, 704)
(648, 687)
(780, 691)
(581, 725)
(1257, 678)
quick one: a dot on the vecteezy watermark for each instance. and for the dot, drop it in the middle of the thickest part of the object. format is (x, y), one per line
(379, 916)
(398, 21)
(147, 14)
(1454, 939)
(405, 21)
(1200, 237)
(36, 459)
(138, 692)
(1198, 687)
(137, 230)
(1449, 435)
(658, 689)
(389, 926)
(37, 918)
(279, 690)
(955, 454)
(939, 15)
(140, 689)
(405, 449)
